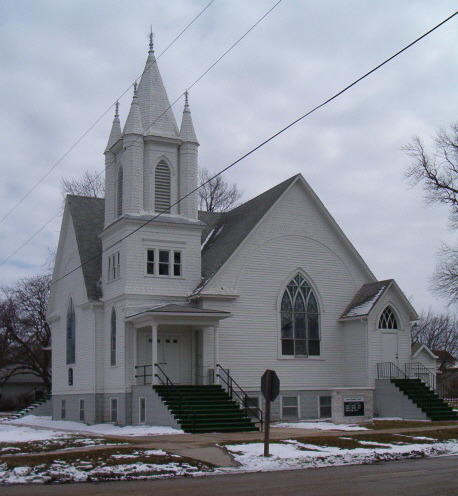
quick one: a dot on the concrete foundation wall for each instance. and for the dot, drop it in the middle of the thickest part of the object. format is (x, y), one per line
(391, 402)
(156, 412)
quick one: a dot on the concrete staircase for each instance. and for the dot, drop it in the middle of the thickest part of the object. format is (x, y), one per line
(429, 402)
(204, 409)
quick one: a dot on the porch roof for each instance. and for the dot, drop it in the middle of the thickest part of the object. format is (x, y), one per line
(186, 311)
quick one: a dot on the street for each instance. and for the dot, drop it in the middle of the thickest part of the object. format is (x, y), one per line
(424, 477)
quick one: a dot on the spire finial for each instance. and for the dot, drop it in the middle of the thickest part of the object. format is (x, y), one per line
(117, 109)
(151, 40)
(186, 99)
(135, 88)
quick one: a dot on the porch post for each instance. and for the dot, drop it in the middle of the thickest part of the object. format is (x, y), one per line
(154, 352)
(215, 351)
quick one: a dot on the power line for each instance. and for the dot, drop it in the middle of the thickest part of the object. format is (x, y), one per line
(281, 131)
(78, 141)
(152, 123)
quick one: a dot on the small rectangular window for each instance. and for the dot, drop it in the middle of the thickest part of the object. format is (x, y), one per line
(177, 263)
(164, 262)
(114, 266)
(114, 410)
(81, 410)
(150, 262)
(70, 376)
(325, 407)
(63, 409)
(142, 411)
(290, 407)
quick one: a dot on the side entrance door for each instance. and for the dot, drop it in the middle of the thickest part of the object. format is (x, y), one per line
(169, 356)
(390, 347)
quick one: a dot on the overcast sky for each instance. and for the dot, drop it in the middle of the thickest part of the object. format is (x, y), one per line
(64, 63)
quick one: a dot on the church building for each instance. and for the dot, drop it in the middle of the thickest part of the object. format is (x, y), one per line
(158, 310)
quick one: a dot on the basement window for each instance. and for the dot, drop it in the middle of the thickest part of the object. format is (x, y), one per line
(290, 407)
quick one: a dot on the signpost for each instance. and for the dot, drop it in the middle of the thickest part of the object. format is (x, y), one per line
(270, 387)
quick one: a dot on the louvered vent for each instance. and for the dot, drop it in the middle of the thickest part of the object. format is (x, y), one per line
(119, 193)
(162, 188)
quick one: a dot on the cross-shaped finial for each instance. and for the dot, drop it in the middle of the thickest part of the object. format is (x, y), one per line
(151, 40)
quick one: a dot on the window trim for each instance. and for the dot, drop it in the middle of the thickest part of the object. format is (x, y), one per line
(320, 406)
(155, 263)
(114, 400)
(319, 304)
(82, 410)
(113, 338)
(298, 406)
(389, 308)
(141, 410)
(114, 266)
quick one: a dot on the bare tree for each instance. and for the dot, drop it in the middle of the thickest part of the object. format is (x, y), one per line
(438, 173)
(91, 184)
(438, 331)
(25, 335)
(216, 195)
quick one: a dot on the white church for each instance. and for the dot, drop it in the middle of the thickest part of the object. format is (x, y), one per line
(162, 314)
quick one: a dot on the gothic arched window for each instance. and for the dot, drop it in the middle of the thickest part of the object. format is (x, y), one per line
(300, 320)
(113, 338)
(119, 192)
(71, 330)
(388, 319)
(162, 187)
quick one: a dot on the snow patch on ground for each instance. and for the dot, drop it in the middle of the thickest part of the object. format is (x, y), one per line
(102, 429)
(324, 426)
(13, 434)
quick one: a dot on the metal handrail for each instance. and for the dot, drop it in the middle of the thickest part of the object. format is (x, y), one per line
(243, 400)
(144, 375)
(181, 401)
(392, 371)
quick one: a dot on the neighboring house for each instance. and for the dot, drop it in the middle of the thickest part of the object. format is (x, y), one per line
(272, 284)
(20, 390)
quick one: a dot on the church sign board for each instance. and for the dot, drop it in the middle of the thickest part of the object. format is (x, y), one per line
(353, 406)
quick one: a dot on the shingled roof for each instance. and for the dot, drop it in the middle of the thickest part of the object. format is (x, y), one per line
(365, 299)
(88, 218)
(225, 231)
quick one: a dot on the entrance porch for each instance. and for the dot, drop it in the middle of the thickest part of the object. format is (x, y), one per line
(175, 343)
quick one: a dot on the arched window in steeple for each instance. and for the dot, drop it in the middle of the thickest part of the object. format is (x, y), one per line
(162, 186)
(300, 320)
(113, 338)
(119, 192)
(388, 319)
(71, 332)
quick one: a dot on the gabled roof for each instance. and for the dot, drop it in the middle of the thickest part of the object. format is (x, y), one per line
(417, 348)
(227, 230)
(368, 296)
(365, 299)
(88, 218)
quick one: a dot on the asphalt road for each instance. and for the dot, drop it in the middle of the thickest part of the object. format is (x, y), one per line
(425, 477)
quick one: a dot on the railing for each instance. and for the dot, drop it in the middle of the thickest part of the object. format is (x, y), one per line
(239, 395)
(388, 370)
(143, 369)
(172, 390)
(413, 370)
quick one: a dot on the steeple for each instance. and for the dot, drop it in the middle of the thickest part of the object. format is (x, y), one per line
(187, 132)
(133, 123)
(115, 133)
(156, 114)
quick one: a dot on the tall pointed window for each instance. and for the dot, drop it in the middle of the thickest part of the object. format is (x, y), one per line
(300, 320)
(119, 192)
(113, 338)
(388, 319)
(162, 187)
(71, 329)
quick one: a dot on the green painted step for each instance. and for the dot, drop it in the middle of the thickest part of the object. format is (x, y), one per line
(428, 401)
(204, 409)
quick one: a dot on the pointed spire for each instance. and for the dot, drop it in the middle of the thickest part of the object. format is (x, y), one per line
(133, 123)
(115, 133)
(157, 116)
(187, 132)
